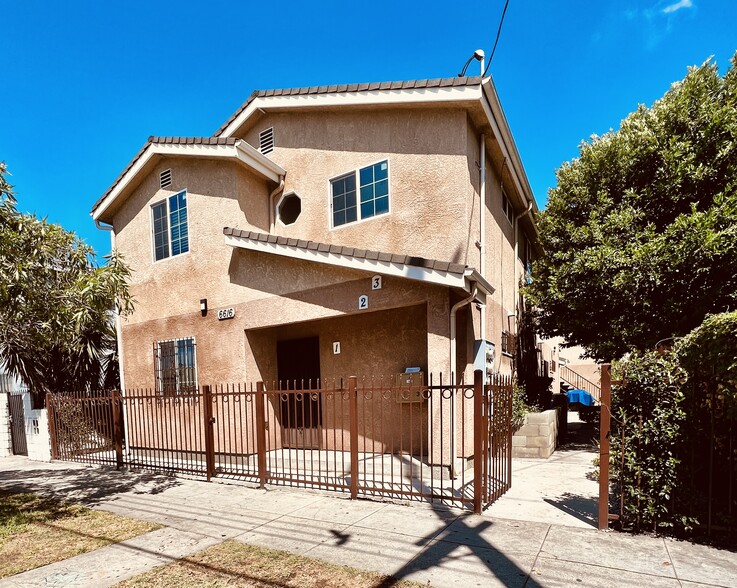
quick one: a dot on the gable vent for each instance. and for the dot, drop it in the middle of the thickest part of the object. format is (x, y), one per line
(165, 178)
(266, 140)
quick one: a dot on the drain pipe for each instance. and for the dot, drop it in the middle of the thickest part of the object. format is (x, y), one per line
(482, 229)
(453, 329)
(118, 335)
(277, 190)
(516, 254)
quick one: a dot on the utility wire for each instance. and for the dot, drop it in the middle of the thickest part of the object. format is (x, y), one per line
(498, 33)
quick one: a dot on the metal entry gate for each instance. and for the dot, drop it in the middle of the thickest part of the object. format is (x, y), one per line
(18, 425)
(439, 442)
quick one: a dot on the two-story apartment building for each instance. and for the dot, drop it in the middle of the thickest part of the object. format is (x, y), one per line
(325, 232)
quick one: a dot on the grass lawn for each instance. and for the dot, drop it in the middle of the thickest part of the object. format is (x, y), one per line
(36, 531)
(236, 564)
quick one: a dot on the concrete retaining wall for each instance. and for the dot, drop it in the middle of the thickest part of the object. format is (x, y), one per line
(5, 441)
(538, 436)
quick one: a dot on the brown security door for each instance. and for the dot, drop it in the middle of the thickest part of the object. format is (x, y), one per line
(298, 363)
(18, 425)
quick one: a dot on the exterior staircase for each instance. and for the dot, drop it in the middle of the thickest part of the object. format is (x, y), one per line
(572, 380)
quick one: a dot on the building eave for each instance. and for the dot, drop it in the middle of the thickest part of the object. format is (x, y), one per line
(207, 148)
(387, 264)
(452, 90)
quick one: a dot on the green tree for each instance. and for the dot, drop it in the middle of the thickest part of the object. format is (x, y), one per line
(640, 234)
(56, 305)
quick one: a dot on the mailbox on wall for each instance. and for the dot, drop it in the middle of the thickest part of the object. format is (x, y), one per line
(409, 386)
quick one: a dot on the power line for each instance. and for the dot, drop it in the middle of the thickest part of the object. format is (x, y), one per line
(498, 33)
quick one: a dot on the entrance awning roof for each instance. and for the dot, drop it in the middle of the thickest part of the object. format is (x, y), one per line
(390, 264)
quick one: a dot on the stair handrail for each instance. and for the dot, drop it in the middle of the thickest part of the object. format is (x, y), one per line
(580, 382)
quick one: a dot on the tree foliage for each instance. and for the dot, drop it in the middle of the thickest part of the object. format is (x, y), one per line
(709, 352)
(56, 306)
(640, 233)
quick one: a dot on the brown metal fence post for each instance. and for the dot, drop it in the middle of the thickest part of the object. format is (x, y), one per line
(51, 416)
(261, 433)
(117, 428)
(478, 432)
(604, 428)
(209, 432)
(353, 409)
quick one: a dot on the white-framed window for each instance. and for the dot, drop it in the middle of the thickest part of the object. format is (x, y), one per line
(176, 366)
(507, 207)
(360, 194)
(169, 226)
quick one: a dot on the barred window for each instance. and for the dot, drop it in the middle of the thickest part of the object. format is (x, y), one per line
(176, 367)
(507, 343)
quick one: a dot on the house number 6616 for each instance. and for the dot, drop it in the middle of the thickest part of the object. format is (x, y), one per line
(226, 313)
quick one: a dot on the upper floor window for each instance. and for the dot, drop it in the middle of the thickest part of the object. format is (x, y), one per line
(171, 235)
(372, 192)
(507, 207)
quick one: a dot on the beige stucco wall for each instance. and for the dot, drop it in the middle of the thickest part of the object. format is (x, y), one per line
(218, 194)
(429, 188)
(502, 267)
(268, 297)
(434, 212)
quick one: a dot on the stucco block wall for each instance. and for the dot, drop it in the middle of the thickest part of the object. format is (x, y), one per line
(38, 438)
(538, 436)
(5, 440)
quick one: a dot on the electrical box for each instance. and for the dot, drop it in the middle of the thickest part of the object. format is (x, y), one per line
(409, 386)
(484, 354)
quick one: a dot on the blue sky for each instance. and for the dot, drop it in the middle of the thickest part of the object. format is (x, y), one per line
(85, 83)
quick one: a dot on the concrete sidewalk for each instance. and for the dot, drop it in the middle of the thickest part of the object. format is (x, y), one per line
(442, 546)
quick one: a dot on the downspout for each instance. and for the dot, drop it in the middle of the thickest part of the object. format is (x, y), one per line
(516, 255)
(482, 229)
(453, 329)
(118, 335)
(498, 357)
(277, 190)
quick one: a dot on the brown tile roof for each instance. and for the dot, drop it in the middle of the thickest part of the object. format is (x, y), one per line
(167, 141)
(341, 88)
(430, 264)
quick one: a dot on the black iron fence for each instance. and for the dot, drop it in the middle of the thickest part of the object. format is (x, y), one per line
(435, 442)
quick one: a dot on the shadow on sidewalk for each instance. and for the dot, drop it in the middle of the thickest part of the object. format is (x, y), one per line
(584, 508)
(455, 551)
(459, 541)
(89, 486)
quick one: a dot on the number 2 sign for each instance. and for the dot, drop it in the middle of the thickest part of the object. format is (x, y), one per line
(362, 302)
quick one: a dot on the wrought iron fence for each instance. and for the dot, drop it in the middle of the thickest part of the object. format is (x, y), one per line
(434, 442)
(706, 458)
